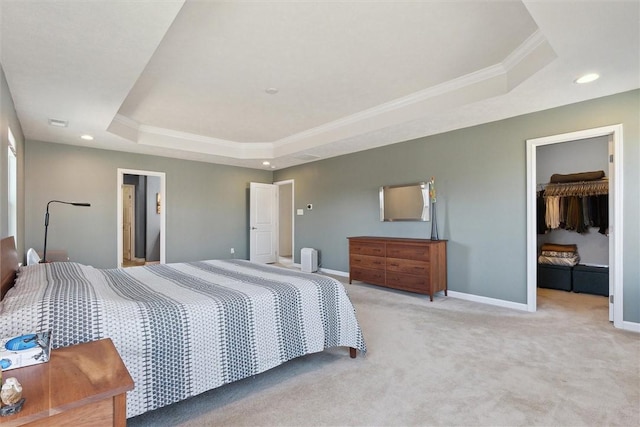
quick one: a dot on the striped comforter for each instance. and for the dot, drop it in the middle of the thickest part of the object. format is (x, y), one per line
(184, 328)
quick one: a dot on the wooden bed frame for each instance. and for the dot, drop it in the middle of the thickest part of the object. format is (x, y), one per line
(8, 265)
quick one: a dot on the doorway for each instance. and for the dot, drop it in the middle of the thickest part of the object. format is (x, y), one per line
(614, 134)
(147, 216)
(271, 222)
(128, 225)
(286, 219)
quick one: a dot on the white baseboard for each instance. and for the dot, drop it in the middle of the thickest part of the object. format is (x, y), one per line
(454, 294)
(326, 270)
(630, 326)
(334, 272)
(487, 300)
(627, 326)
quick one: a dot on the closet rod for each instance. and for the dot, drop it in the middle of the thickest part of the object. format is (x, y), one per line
(580, 189)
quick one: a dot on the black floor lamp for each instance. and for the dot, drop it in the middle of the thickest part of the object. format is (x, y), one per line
(46, 223)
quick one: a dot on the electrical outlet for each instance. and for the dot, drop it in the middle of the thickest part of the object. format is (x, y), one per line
(233, 251)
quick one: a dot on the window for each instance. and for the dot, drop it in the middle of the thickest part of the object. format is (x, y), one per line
(12, 169)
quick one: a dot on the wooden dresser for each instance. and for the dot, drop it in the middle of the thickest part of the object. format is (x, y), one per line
(416, 265)
(81, 385)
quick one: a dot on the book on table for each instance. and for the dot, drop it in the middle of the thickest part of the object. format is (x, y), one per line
(25, 350)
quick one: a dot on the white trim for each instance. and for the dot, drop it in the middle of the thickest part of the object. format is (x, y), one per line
(334, 272)
(526, 48)
(616, 228)
(616, 233)
(239, 147)
(630, 326)
(327, 271)
(450, 293)
(485, 83)
(625, 325)
(487, 300)
(163, 196)
(532, 249)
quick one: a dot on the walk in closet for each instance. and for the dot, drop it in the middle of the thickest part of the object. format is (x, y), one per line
(573, 216)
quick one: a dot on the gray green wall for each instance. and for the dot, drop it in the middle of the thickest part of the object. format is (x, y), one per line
(480, 174)
(9, 119)
(480, 177)
(206, 204)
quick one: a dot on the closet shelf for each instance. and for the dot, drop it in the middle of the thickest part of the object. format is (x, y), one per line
(580, 189)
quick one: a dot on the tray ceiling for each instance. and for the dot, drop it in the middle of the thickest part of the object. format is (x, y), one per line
(192, 79)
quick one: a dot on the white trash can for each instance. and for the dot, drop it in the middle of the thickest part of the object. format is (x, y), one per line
(309, 260)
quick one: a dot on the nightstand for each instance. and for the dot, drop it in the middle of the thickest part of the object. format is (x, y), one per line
(81, 385)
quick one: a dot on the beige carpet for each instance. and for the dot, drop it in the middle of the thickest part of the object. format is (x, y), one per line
(449, 362)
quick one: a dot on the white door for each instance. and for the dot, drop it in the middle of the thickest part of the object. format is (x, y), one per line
(263, 224)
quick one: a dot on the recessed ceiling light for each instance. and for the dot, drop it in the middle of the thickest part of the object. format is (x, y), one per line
(58, 123)
(271, 90)
(587, 78)
(87, 137)
(266, 163)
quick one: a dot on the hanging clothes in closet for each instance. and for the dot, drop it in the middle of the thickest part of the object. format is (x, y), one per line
(575, 202)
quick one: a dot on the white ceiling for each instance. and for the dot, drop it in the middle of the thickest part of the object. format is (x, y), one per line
(188, 79)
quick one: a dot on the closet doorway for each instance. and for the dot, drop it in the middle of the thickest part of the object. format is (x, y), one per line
(146, 216)
(286, 221)
(614, 173)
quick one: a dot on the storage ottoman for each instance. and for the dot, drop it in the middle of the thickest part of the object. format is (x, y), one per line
(554, 276)
(591, 280)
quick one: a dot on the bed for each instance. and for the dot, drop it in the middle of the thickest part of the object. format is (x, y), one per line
(183, 328)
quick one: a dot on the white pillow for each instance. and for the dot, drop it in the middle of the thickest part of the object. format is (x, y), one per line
(32, 257)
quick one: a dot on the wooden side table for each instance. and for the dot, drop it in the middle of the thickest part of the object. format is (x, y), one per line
(81, 385)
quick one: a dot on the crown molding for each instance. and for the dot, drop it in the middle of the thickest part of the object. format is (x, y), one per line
(491, 81)
(525, 50)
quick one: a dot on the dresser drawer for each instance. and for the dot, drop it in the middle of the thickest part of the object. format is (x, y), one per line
(375, 277)
(408, 266)
(367, 261)
(408, 282)
(415, 265)
(366, 248)
(404, 251)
